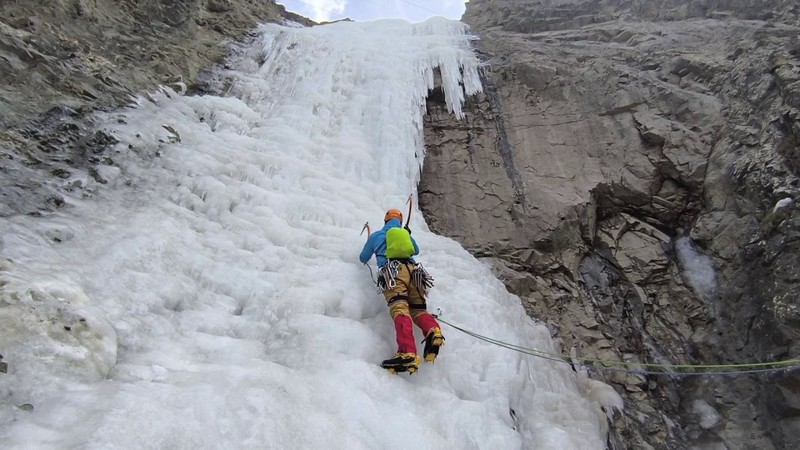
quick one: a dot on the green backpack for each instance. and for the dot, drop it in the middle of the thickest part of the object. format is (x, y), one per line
(398, 244)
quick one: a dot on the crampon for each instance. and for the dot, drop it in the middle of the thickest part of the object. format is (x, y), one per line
(402, 362)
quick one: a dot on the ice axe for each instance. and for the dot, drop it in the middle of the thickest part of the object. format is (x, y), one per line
(410, 205)
(366, 227)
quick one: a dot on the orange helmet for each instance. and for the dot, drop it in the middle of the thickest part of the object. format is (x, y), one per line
(393, 214)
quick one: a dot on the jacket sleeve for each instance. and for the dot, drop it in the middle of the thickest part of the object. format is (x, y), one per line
(367, 251)
(416, 247)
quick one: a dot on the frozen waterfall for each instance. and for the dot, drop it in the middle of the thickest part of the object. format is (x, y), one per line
(209, 295)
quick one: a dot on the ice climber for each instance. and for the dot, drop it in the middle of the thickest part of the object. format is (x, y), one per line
(404, 283)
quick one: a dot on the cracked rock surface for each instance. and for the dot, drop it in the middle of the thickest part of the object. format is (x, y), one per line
(620, 173)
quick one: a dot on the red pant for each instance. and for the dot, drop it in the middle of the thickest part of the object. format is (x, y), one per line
(407, 304)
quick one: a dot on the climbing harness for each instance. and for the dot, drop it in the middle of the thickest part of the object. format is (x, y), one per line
(678, 370)
(420, 278)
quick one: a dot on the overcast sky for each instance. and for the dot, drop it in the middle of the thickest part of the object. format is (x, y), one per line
(411, 10)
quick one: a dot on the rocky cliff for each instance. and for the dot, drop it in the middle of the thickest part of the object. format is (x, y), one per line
(631, 172)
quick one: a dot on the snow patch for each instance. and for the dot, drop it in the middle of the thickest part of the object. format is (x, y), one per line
(697, 269)
(782, 204)
(707, 415)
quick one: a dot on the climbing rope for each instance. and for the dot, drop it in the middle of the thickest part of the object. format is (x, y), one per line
(641, 368)
(372, 275)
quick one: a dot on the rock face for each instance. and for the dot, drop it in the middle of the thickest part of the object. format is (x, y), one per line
(534, 16)
(621, 173)
(63, 58)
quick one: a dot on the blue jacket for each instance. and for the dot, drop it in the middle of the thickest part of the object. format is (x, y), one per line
(377, 244)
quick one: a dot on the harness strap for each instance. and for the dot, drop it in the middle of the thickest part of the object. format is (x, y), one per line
(398, 298)
(401, 260)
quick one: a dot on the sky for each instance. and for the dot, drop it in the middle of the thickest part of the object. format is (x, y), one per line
(202, 290)
(362, 10)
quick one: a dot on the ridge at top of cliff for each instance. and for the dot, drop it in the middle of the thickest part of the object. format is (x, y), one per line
(549, 15)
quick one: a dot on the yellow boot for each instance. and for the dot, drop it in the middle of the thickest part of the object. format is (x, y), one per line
(432, 341)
